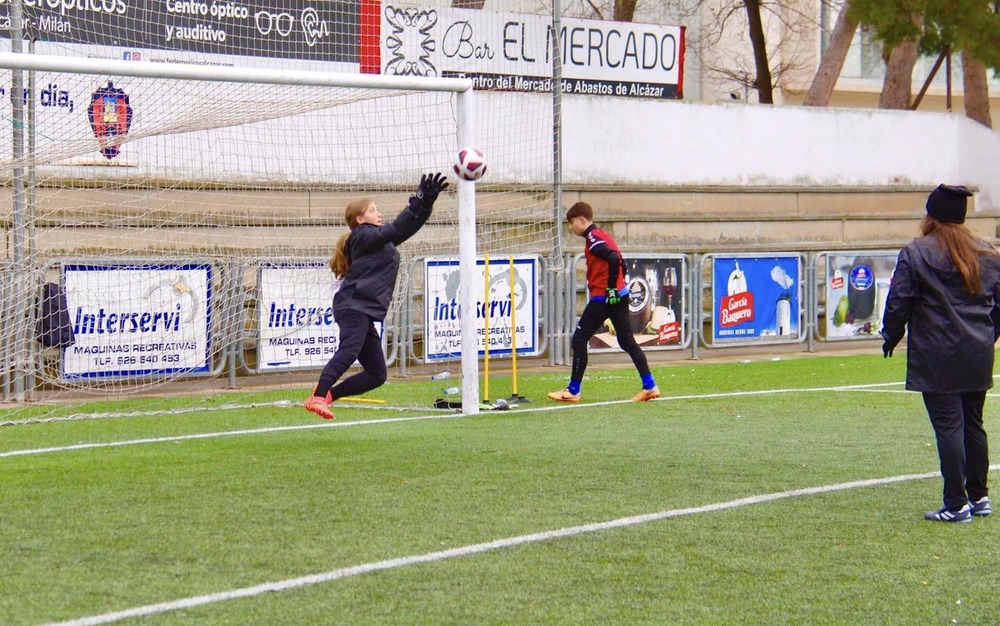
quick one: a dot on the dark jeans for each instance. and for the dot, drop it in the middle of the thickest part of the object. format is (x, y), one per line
(593, 316)
(957, 419)
(359, 341)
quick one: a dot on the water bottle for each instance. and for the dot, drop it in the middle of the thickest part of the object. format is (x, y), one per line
(452, 391)
(445, 375)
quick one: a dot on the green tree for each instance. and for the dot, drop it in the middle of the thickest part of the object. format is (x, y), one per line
(908, 28)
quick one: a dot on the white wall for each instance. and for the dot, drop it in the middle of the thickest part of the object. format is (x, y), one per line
(682, 143)
(606, 140)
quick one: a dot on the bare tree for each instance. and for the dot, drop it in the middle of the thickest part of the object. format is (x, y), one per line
(832, 62)
(765, 89)
(766, 64)
(624, 10)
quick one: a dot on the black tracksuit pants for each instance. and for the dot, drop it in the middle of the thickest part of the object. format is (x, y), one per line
(359, 341)
(593, 316)
(957, 419)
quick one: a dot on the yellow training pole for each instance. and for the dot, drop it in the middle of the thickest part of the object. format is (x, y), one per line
(514, 398)
(486, 328)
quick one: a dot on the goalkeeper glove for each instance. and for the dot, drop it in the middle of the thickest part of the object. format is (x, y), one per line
(613, 297)
(431, 185)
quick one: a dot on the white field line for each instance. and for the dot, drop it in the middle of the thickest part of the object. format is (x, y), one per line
(479, 548)
(227, 433)
(434, 416)
(185, 410)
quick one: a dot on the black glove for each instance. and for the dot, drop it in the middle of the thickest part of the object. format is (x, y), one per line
(888, 344)
(430, 186)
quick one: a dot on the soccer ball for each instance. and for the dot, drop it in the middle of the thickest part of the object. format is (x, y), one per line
(471, 164)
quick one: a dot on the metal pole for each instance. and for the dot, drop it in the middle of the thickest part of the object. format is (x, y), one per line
(696, 306)
(32, 349)
(556, 351)
(557, 125)
(947, 75)
(19, 291)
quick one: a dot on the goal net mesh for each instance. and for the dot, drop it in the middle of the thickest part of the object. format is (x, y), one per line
(133, 207)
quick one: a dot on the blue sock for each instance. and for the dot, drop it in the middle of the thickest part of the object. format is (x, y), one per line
(648, 382)
(574, 387)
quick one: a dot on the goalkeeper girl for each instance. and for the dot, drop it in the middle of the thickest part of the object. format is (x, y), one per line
(367, 262)
(608, 299)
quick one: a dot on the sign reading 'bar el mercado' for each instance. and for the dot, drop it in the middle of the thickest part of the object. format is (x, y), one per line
(513, 52)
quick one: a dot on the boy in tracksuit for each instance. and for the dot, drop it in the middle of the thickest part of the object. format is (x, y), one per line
(608, 299)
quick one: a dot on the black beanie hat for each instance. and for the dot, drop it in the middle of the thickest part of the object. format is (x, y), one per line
(947, 203)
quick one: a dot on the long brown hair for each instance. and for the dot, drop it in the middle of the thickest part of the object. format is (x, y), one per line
(339, 263)
(963, 246)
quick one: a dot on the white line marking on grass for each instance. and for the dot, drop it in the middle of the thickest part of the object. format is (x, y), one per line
(227, 433)
(722, 394)
(416, 418)
(479, 548)
(186, 410)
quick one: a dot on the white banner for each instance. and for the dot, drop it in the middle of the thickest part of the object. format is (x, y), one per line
(512, 51)
(857, 284)
(137, 320)
(495, 315)
(295, 317)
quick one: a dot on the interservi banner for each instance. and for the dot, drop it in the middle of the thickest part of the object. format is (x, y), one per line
(513, 51)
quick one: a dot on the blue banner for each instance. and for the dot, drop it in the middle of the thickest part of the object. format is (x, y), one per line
(755, 297)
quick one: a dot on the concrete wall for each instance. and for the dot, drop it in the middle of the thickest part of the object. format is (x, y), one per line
(671, 176)
(678, 144)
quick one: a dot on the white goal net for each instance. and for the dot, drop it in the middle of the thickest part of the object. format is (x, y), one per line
(168, 215)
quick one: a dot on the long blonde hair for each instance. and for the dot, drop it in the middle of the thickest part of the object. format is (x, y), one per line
(963, 246)
(339, 263)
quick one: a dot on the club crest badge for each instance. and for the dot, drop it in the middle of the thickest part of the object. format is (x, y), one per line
(110, 117)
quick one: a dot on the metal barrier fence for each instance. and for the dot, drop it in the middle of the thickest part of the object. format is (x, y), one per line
(275, 315)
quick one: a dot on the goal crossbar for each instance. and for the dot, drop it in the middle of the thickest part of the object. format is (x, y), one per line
(181, 71)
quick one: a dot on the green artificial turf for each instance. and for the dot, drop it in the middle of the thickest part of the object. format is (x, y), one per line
(208, 502)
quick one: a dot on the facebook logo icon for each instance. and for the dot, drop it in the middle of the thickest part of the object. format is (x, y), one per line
(131, 56)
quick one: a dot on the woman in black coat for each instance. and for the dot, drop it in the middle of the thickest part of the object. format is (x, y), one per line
(945, 296)
(368, 262)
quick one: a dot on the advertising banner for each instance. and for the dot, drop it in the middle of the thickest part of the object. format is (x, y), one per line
(512, 51)
(655, 303)
(506, 312)
(297, 329)
(280, 29)
(756, 297)
(856, 286)
(137, 320)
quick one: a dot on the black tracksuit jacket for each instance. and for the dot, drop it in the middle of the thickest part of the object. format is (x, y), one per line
(374, 263)
(949, 346)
